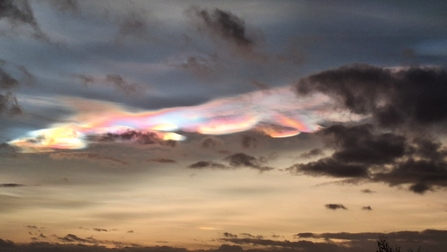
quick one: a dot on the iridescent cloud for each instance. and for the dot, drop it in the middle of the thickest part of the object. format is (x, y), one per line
(277, 113)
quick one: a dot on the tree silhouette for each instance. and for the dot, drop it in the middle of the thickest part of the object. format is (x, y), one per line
(384, 246)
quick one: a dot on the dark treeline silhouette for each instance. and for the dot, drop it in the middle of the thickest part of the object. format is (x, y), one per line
(384, 246)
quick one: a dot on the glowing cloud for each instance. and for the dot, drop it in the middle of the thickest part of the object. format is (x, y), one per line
(278, 113)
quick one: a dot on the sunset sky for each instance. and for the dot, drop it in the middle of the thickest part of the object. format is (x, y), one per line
(222, 125)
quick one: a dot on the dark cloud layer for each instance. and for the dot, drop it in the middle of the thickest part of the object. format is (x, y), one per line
(404, 106)
(393, 97)
(361, 152)
(430, 240)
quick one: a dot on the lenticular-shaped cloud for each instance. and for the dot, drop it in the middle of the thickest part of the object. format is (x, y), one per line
(277, 114)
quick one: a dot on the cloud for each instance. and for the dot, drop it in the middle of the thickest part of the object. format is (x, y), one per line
(208, 164)
(11, 185)
(243, 160)
(363, 152)
(431, 240)
(114, 80)
(222, 24)
(237, 161)
(249, 142)
(71, 238)
(248, 235)
(312, 153)
(8, 101)
(404, 236)
(306, 246)
(224, 28)
(210, 143)
(88, 156)
(161, 160)
(392, 97)
(335, 206)
(100, 229)
(140, 137)
(65, 5)
(229, 235)
(134, 26)
(199, 64)
(21, 13)
(367, 191)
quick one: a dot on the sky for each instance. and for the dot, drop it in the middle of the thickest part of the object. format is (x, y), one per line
(227, 126)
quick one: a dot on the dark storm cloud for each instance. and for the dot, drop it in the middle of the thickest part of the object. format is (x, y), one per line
(243, 160)
(367, 208)
(11, 185)
(361, 152)
(335, 206)
(411, 97)
(19, 12)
